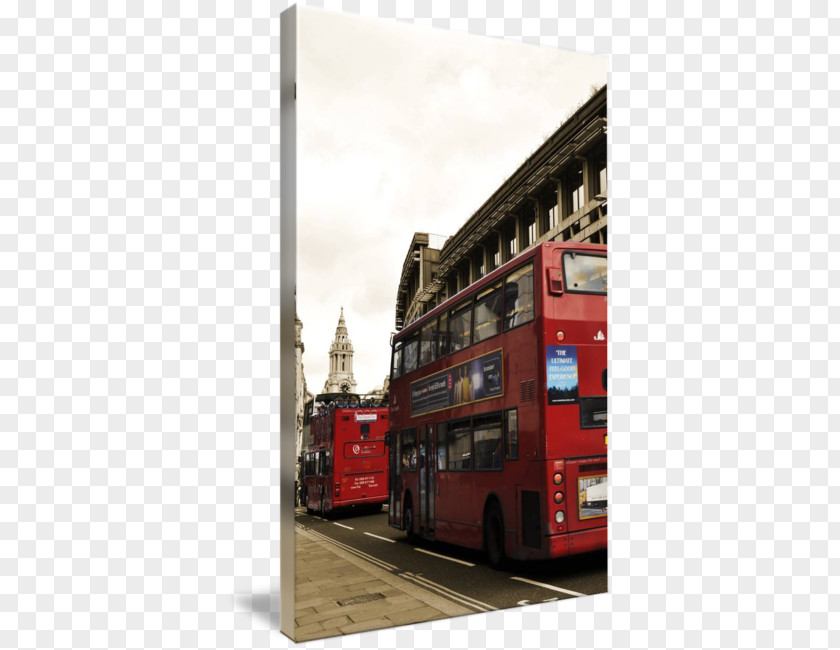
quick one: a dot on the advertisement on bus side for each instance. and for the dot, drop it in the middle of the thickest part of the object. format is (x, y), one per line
(475, 380)
(561, 368)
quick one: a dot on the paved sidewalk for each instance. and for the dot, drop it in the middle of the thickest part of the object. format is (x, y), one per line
(338, 593)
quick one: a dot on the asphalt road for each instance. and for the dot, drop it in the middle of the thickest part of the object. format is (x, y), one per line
(462, 575)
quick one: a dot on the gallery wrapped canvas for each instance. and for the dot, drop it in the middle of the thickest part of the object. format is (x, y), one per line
(444, 318)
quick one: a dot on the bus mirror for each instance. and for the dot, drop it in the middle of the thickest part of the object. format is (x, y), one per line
(555, 281)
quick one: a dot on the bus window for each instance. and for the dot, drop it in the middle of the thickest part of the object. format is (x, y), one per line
(459, 326)
(427, 343)
(442, 347)
(511, 435)
(519, 296)
(458, 451)
(487, 441)
(408, 449)
(410, 356)
(585, 273)
(441, 447)
(396, 360)
(488, 311)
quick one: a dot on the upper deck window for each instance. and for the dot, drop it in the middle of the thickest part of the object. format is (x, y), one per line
(519, 296)
(396, 360)
(410, 355)
(488, 313)
(427, 343)
(442, 347)
(585, 273)
(459, 326)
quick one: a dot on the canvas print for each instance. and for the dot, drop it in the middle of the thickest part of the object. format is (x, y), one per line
(450, 306)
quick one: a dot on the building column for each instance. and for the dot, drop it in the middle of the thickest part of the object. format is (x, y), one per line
(520, 234)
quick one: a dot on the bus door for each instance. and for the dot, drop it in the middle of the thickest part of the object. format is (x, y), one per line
(426, 489)
(394, 480)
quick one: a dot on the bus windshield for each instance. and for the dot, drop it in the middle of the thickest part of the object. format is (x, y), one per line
(585, 273)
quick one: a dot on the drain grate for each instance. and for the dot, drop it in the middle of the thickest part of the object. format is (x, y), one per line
(358, 600)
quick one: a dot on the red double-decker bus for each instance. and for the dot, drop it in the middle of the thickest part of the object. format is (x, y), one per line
(344, 465)
(498, 402)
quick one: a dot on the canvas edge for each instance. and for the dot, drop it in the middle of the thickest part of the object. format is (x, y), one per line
(288, 269)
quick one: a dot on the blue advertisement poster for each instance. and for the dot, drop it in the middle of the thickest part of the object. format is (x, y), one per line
(475, 380)
(561, 368)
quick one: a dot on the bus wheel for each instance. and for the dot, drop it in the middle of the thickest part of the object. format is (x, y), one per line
(494, 536)
(408, 519)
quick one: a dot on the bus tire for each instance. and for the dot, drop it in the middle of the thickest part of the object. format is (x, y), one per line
(408, 518)
(494, 536)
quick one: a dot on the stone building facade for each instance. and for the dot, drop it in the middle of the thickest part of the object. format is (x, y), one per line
(559, 193)
(302, 395)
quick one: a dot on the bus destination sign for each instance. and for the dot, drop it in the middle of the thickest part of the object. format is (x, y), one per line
(475, 380)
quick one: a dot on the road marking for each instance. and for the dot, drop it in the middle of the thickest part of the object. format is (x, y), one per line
(552, 587)
(369, 558)
(342, 525)
(443, 557)
(448, 593)
(382, 538)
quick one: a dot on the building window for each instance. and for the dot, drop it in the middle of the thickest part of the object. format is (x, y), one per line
(573, 189)
(532, 230)
(552, 214)
(601, 171)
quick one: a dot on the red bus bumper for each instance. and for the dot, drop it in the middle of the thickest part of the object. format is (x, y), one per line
(581, 541)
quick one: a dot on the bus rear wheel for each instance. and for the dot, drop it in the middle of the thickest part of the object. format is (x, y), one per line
(494, 536)
(408, 519)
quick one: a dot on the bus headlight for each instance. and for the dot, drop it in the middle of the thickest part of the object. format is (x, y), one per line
(558, 478)
(559, 516)
(558, 497)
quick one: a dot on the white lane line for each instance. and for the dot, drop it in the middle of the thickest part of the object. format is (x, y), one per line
(449, 593)
(443, 557)
(382, 538)
(373, 560)
(342, 525)
(552, 587)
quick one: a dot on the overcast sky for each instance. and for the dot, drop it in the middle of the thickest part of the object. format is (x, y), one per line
(404, 129)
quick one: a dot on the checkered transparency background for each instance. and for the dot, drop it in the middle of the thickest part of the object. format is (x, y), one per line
(139, 341)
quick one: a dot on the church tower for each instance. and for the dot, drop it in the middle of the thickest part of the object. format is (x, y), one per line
(341, 378)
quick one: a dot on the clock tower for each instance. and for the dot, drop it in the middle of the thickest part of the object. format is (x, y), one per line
(341, 379)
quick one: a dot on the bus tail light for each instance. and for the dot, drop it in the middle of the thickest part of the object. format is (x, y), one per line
(558, 478)
(561, 336)
(558, 497)
(338, 490)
